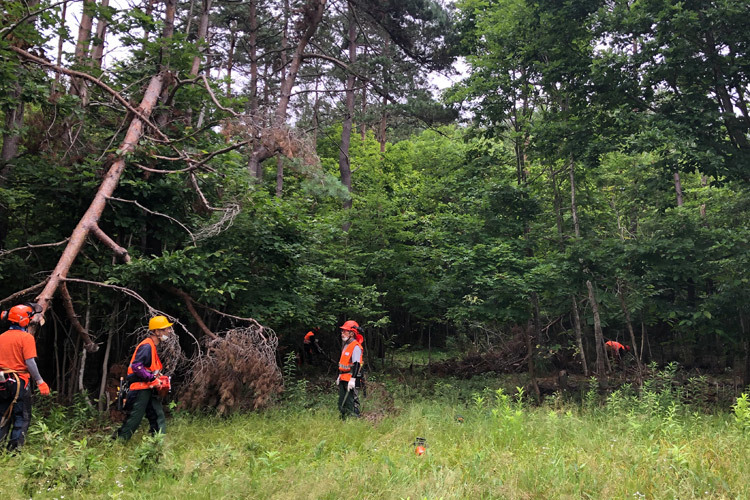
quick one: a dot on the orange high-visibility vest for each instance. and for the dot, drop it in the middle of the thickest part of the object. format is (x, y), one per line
(345, 362)
(615, 346)
(155, 364)
(308, 337)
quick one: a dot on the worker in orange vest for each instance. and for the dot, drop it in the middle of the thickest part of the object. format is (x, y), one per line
(310, 345)
(350, 366)
(616, 350)
(145, 382)
(17, 366)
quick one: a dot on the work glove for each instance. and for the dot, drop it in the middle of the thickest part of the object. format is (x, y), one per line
(350, 385)
(43, 388)
(338, 379)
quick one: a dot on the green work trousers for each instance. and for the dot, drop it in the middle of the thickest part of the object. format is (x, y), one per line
(143, 402)
(348, 405)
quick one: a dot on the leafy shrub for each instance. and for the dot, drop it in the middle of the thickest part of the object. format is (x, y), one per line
(57, 465)
(741, 410)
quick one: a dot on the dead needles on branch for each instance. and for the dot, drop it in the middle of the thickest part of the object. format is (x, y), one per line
(238, 371)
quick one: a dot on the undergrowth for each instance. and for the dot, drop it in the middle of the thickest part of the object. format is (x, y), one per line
(490, 441)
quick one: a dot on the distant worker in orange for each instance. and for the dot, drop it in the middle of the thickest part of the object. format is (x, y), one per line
(350, 366)
(17, 366)
(616, 350)
(310, 346)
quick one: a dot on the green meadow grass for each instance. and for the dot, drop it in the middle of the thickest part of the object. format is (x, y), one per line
(486, 446)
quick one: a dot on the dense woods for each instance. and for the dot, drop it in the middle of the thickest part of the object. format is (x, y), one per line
(290, 164)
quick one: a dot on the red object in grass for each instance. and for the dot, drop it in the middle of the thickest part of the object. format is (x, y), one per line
(420, 450)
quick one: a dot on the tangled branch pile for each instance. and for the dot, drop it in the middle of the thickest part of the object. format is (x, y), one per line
(507, 358)
(238, 371)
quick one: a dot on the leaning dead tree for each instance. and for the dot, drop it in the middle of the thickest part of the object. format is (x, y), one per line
(276, 140)
(89, 223)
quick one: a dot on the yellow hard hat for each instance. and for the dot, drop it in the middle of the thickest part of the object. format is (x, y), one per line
(158, 322)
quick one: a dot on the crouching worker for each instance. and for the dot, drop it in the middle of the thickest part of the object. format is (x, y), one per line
(350, 365)
(616, 350)
(145, 382)
(17, 366)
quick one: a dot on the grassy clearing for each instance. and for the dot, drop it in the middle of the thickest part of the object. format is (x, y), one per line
(488, 445)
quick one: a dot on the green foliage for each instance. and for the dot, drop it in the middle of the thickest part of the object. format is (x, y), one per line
(60, 464)
(151, 457)
(741, 409)
(502, 448)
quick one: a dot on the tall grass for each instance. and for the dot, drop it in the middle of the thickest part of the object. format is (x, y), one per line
(492, 444)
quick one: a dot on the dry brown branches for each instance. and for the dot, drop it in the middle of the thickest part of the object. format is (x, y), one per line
(238, 372)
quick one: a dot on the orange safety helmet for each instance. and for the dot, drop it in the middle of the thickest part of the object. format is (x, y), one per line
(350, 326)
(21, 314)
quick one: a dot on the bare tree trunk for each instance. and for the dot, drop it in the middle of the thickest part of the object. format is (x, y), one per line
(384, 111)
(253, 163)
(60, 42)
(284, 44)
(346, 130)
(601, 359)
(316, 110)
(573, 205)
(314, 15)
(106, 189)
(165, 54)
(230, 56)
(363, 126)
(629, 324)
(202, 33)
(78, 86)
(383, 124)
(557, 199)
(579, 334)
(678, 188)
(12, 136)
(149, 9)
(279, 175)
(530, 344)
(101, 33)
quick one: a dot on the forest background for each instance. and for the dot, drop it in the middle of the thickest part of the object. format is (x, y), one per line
(274, 166)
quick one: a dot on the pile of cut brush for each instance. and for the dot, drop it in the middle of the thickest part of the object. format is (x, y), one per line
(238, 371)
(510, 357)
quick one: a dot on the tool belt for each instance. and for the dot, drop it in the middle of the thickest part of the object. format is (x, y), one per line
(10, 389)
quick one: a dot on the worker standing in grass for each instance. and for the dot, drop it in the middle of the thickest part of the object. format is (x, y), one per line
(17, 366)
(350, 366)
(143, 374)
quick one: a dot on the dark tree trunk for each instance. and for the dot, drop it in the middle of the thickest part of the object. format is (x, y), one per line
(346, 131)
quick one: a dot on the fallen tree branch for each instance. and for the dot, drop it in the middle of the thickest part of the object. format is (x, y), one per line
(29, 247)
(121, 252)
(183, 226)
(11, 298)
(96, 81)
(213, 98)
(106, 189)
(9, 29)
(131, 293)
(249, 320)
(88, 344)
(191, 308)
